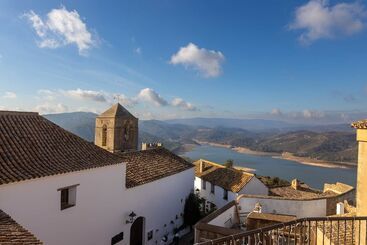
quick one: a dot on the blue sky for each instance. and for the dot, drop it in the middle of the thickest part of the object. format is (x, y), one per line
(286, 60)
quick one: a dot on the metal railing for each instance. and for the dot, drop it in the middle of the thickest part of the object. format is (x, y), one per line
(311, 231)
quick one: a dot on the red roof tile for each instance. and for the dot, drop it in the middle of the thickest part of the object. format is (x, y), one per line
(150, 165)
(13, 233)
(33, 147)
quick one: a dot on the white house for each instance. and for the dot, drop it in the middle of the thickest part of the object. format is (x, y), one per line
(219, 185)
(66, 190)
(283, 204)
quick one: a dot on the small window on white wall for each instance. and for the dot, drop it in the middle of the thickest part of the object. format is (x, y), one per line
(204, 185)
(212, 190)
(225, 194)
(67, 196)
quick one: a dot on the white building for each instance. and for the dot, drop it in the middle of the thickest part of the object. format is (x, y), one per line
(219, 185)
(68, 191)
(283, 204)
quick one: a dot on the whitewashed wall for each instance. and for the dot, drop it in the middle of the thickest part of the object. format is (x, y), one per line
(96, 218)
(299, 208)
(217, 197)
(254, 187)
(102, 205)
(160, 201)
(226, 219)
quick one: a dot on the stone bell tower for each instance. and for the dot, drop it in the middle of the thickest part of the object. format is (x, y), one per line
(117, 130)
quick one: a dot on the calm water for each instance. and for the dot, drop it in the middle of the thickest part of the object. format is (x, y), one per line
(264, 165)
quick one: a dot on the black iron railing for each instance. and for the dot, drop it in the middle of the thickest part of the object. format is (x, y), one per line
(311, 231)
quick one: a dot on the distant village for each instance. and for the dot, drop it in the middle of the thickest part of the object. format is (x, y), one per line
(56, 188)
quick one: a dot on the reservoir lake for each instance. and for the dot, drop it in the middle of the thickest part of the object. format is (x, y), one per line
(314, 176)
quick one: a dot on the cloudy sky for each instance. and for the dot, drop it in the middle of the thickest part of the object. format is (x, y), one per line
(288, 60)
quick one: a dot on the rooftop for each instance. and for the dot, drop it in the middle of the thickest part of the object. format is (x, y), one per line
(362, 124)
(304, 192)
(13, 233)
(271, 217)
(33, 147)
(231, 179)
(149, 165)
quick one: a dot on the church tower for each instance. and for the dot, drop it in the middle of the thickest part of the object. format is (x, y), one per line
(117, 130)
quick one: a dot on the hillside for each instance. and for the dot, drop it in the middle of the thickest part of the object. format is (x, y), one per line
(83, 125)
(327, 146)
(317, 143)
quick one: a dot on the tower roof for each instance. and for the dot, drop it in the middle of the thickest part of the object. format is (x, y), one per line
(117, 110)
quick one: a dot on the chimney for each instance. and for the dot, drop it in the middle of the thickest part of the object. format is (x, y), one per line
(257, 208)
(340, 208)
(201, 166)
(296, 184)
(148, 146)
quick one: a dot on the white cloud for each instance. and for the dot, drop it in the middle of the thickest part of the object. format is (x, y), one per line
(123, 100)
(145, 96)
(45, 94)
(60, 28)
(10, 95)
(319, 20)
(207, 62)
(309, 114)
(276, 112)
(149, 95)
(137, 50)
(51, 108)
(178, 102)
(97, 96)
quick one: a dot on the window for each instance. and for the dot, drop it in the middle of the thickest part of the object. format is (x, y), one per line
(204, 185)
(212, 189)
(225, 194)
(104, 135)
(118, 238)
(67, 197)
(150, 235)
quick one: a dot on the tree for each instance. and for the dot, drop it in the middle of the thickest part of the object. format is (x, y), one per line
(229, 163)
(192, 210)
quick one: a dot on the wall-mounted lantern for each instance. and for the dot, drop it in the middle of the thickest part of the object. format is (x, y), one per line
(131, 219)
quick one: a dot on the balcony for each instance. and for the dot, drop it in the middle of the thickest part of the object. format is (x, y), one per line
(311, 231)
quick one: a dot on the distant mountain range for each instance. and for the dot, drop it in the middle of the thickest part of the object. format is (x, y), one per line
(324, 142)
(259, 125)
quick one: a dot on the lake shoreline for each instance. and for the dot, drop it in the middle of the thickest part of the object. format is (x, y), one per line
(284, 156)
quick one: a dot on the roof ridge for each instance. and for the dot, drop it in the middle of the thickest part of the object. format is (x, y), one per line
(22, 113)
(222, 166)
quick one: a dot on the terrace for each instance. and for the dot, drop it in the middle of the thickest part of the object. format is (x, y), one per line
(314, 230)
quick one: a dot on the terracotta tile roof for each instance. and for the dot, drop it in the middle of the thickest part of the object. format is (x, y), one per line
(306, 192)
(33, 147)
(13, 233)
(362, 124)
(150, 165)
(303, 192)
(338, 187)
(230, 179)
(282, 218)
